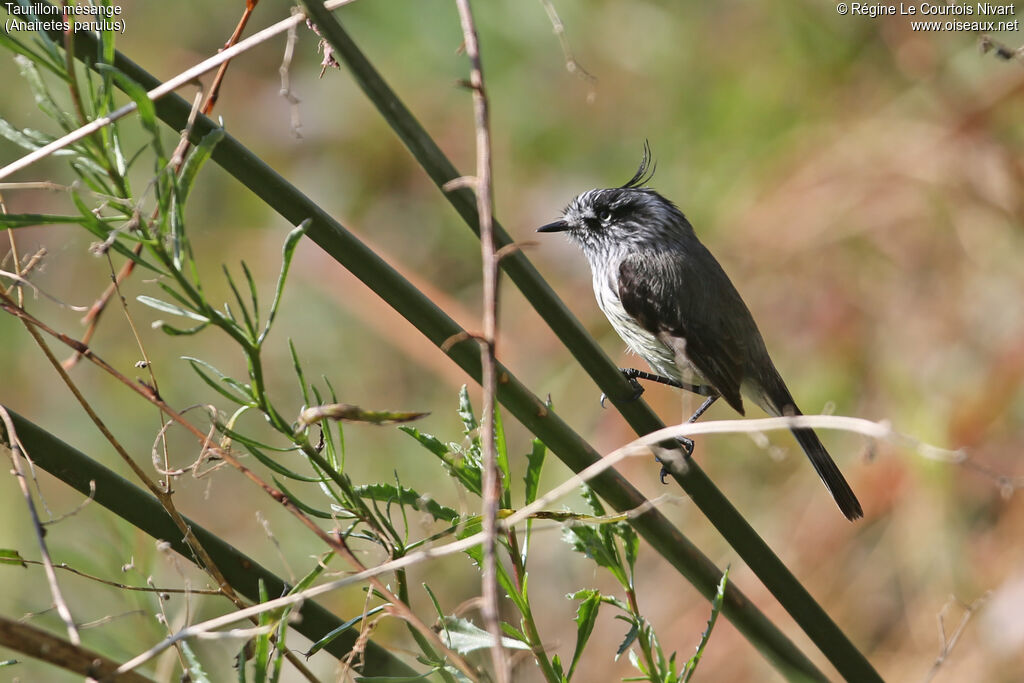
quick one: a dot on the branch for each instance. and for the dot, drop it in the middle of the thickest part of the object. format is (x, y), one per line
(39, 644)
(491, 486)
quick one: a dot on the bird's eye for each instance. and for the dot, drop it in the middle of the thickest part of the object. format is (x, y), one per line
(604, 215)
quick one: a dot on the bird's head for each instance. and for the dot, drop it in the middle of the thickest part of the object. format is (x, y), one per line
(632, 216)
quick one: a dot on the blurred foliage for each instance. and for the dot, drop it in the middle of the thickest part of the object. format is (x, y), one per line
(860, 182)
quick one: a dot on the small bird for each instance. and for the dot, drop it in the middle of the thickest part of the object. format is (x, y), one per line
(673, 305)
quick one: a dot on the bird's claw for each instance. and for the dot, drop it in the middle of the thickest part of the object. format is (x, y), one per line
(686, 445)
(638, 389)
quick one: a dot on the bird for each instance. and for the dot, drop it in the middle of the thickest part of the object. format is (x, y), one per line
(673, 304)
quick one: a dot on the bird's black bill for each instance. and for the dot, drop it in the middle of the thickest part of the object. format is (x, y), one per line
(557, 226)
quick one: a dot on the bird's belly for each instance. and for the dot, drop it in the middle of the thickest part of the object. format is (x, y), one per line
(661, 358)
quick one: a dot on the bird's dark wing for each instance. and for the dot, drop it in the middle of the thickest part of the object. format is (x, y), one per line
(683, 294)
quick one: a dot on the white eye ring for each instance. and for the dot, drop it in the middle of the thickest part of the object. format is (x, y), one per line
(604, 215)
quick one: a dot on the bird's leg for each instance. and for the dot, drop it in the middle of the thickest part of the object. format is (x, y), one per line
(632, 375)
(711, 398)
(685, 443)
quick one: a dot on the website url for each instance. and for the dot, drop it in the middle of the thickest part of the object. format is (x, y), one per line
(965, 25)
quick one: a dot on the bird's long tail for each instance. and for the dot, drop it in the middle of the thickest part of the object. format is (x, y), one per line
(776, 400)
(829, 473)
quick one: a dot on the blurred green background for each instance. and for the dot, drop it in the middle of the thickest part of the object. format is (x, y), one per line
(860, 182)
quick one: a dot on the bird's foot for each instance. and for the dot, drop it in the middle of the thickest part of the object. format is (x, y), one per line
(638, 389)
(686, 446)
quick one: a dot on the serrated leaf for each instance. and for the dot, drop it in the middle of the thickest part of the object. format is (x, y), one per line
(390, 493)
(586, 617)
(592, 500)
(469, 421)
(716, 608)
(587, 540)
(458, 464)
(193, 665)
(631, 635)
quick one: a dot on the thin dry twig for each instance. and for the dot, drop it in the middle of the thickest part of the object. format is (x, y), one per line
(286, 82)
(490, 608)
(948, 642)
(18, 454)
(125, 587)
(571, 65)
(41, 644)
(19, 281)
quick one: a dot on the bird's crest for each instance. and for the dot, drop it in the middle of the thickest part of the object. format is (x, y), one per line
(643, 174)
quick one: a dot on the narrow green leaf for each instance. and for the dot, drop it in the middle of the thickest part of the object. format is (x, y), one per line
(41, 93)
(201, 153)
(463, 636)
(318, 568)
(272, 464)
(11, 556)
(146, 107)
(29, 139)
(249, 324)
(170, 308)
(297, 366)
(253, 294)
(501, 455)
(434, 601)
(261, 641)
(172, 331)
(534, 463)
(12, 44)
(556, 664)
(198, 365)
(630, 544)
(28, 220)
(287, 253)
(326, 640)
